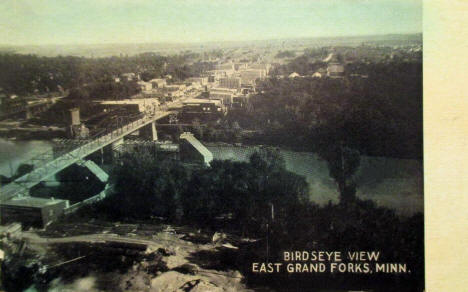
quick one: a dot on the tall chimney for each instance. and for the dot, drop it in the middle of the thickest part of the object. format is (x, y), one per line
(75, 116)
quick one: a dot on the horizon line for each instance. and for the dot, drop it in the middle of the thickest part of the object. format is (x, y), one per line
(210, 41)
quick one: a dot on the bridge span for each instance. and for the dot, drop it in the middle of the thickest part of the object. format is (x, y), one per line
(51, 165)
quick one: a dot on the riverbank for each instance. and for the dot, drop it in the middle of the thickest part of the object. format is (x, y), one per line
(22, 130)
(390, 182)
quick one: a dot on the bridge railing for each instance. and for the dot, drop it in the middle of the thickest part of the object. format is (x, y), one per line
(45, 157)
(67, 146)
(49, 162)
(74, 149)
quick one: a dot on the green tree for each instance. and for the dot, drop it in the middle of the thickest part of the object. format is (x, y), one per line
(343, 162)
(146, 186)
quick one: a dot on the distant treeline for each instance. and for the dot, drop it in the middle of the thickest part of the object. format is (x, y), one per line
(305, 64)
(355, 59)
(285, 54)
(31, 74)
(105, 90)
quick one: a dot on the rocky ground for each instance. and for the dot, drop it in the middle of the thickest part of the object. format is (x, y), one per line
(121, 257)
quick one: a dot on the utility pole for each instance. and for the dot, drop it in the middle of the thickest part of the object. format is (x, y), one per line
(267, 244)
(342, 169)
(272, 217)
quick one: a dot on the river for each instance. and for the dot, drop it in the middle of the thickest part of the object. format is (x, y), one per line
(390, 182)
(13, 153)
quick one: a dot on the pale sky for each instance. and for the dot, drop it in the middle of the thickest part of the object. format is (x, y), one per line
(38, 22)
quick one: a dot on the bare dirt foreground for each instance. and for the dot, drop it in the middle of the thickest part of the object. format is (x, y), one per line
(120, 257)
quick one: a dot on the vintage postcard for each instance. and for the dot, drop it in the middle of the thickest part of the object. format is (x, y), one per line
(211, 145)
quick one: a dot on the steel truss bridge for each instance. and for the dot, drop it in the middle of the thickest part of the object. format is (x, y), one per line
(51, 162)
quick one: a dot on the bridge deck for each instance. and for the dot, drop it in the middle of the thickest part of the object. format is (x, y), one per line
(22, 184)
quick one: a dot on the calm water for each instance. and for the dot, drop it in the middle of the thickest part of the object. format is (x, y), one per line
(13, 153)
(394, 183)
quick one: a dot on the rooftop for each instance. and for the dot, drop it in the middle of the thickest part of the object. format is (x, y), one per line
(222, 89)
(32, 202)
(335, 68)
(199, 100)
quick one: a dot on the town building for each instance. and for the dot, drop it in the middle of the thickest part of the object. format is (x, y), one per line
(249, 76)
(141, 105)
(247, 90)
(225, 95)
(158, 82)
(32, 211)
(175, 87)
(225, 67)
(211, 78)
(335, 70)
(129, 76)
(261, 66)
(230, 82)
(240, 66)
(200, 80)
(201, 107)
(218, 74)
(239, 101)
(175, 90)
(12, 105)
(145, 86)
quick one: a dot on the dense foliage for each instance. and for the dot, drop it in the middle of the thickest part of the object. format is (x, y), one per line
(241, 191)
(354, 226)
(31, 74)
(305, 64)
(260, 199)
(20, 171)
(285, 54)
(245, 192)
(379, 115)
(105, 90)
(146, 187)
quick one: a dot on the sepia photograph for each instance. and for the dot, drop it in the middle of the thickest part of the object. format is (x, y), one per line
(209, 145)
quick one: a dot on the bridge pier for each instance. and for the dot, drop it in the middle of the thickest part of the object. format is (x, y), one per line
(154, 132)
(108, 152)
(62, 157)
(95, 169)
(149, 132)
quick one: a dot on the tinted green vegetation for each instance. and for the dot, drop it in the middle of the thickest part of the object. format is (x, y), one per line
(31, 74)
(22, 170)
(285, 54)
(356, 225)
(379, 115)
(306, 64)
(146, 187)
(261, 199)
(105, 90)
